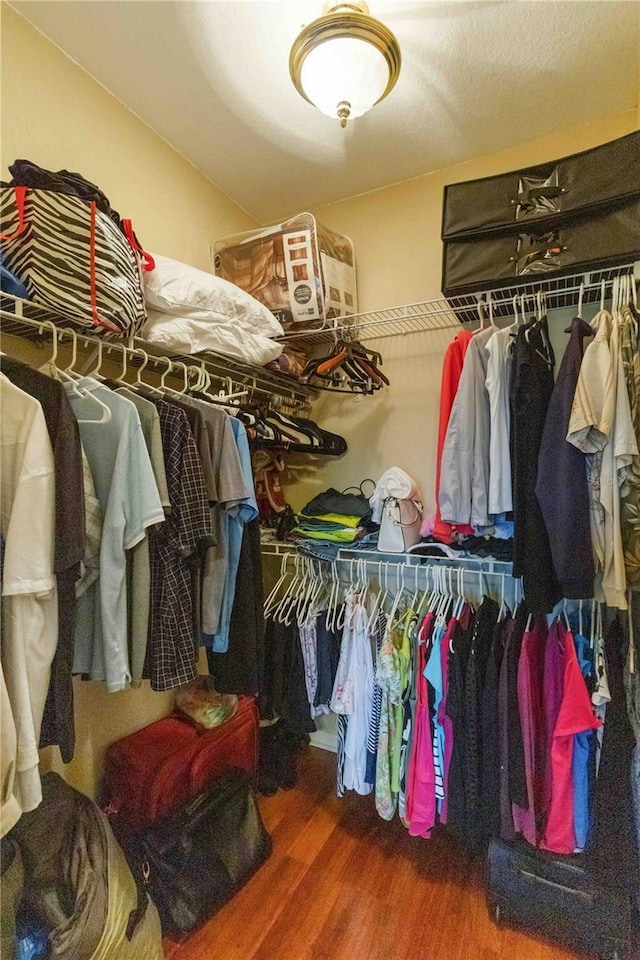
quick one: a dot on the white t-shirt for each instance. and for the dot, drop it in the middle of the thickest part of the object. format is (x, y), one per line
(130, 502)
(29, 594)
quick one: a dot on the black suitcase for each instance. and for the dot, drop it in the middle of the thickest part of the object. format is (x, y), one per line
(564, 216)
(556, 897)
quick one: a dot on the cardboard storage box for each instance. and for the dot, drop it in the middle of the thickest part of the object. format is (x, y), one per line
(302, 271)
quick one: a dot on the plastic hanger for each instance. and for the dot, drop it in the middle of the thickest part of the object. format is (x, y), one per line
(77, 389)
(95, 374)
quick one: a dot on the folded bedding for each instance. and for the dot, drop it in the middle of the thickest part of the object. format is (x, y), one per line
(184, 291)
(186, 335)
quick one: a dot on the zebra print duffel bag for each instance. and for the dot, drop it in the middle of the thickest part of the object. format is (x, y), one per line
(73, 259)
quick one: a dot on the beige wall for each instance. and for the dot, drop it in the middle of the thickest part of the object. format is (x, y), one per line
(55, 114)
(396, 233)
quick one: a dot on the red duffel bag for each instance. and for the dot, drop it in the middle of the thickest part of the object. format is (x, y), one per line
(156, 770)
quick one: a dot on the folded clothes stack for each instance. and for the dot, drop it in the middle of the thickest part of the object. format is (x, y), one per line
(333, 520)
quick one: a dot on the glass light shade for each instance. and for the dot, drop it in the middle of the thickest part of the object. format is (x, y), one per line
(344, 70)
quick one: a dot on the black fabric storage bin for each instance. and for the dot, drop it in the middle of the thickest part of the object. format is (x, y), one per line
(606, 239)
(591, 180)
(564, 216)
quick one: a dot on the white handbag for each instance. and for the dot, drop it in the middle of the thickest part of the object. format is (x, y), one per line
(400, 525)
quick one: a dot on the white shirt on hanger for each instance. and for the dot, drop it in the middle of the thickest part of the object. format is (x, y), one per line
(29, 594)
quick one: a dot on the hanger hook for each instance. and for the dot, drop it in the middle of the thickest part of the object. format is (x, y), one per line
(54, 340)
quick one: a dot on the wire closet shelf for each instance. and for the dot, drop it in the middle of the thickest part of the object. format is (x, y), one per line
(450, 313)
(27, 320)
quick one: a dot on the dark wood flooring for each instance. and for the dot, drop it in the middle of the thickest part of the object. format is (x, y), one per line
(342, 884)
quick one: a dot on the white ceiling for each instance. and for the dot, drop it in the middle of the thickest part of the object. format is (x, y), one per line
(212, 78)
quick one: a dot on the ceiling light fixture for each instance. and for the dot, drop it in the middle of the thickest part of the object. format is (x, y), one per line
(345, 62)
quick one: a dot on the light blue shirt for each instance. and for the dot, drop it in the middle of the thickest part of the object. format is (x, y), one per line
(126, 489)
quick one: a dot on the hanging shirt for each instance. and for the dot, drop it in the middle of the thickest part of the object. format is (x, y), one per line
(29, 597)
(583, 763)
(480, 646)
(392, 667)
(231, 489)
(433, 673)
(602, 428)
(90, 565)
(530, 391)
(464, 477)
(575, 715)
(497, 383)
(441, 716)
(130, 504)
(237, 516)
(421, 793)
(138, 562)
(355, 746)
(527, 820)
(630, 490)
(451, 371)
(561, 486)
(376, 704)
(57, 722)
(553, 689)
(175, 546)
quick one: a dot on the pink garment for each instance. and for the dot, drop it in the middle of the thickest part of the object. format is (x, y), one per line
(451, 370)
(552, 693)
(575, 716)
(421, 779)
(530, 677)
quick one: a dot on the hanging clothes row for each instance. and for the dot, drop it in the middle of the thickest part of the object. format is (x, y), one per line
(128, 518)
(460, 712)
(551, 462)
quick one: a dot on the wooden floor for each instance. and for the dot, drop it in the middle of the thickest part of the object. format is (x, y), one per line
(342, 884)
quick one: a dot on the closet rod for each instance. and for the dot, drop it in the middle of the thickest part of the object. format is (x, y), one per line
(445, 314)
(25, 319)
(346, 555)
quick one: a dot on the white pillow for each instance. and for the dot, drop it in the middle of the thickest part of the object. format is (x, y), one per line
(189, 335)
(177, 288)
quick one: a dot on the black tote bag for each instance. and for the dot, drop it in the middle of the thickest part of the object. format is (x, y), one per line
(195, 860)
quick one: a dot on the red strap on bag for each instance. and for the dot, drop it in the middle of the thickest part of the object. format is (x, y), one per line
(21, 199)
(148, 263)
(97, 322)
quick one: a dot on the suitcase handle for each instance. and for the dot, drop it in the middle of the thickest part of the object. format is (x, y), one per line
(557, 886)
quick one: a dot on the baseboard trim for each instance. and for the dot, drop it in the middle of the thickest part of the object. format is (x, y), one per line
(324, 740)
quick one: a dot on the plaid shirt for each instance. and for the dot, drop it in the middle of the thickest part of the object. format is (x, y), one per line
(174, 546)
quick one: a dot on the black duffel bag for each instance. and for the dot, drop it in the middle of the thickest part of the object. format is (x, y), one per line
(565, 216)
(195, 860)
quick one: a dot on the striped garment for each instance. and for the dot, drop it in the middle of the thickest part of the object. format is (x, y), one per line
(73, 259)
(341, 735)
(376, 706)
